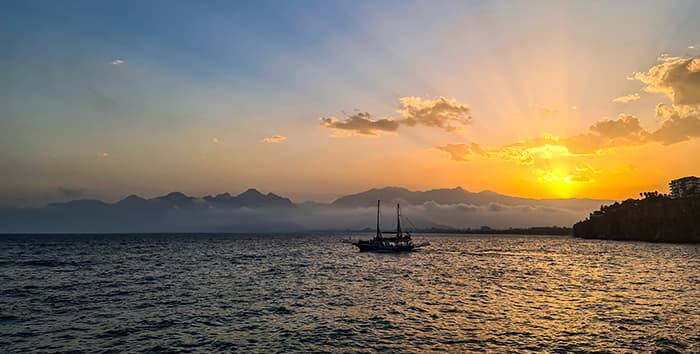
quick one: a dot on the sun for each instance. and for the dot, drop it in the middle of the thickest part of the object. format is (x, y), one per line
(557, 181)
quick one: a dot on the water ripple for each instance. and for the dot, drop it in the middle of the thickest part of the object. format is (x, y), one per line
(312, 293)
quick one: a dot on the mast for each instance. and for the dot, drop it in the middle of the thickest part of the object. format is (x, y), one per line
(398, 220)
(379, 232)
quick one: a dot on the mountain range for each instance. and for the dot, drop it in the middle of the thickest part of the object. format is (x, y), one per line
(252, 211)
(452, 196)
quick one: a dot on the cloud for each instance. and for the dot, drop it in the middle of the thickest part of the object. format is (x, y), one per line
(215, 140)
(678, 78)
(361, 123)
(441, 112)
(274, 139)
(524, 152)
(680, 123)
(587, 168)
(118, 61)
(627, 98)
(463, 152)
(71, 193)
(495, 207)
(444, 113)
(548, 175)
(544, 109)
(625, 126)
(602, 135)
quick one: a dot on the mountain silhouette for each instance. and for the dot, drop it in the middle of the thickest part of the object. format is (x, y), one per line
(251, 198)
(175, 199)
(255, 199)
(252, 210)
(452, 196)
(132, 201)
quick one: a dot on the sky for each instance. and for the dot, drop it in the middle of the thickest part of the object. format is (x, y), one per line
(317, 99)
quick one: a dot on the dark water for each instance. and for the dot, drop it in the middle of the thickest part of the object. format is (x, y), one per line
(128, 293)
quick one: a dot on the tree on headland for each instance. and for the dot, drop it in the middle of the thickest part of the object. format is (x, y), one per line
(656, 217)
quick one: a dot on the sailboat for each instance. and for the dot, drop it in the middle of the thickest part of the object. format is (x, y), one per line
(399, 242)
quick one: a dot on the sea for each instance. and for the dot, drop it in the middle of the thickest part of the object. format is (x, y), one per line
(273, 293)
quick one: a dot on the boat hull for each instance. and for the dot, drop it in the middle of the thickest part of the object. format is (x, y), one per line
(368, 247)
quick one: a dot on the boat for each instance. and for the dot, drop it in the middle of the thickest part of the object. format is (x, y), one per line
(399, 242)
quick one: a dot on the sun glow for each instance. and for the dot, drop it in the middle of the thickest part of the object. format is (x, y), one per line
(559, 180)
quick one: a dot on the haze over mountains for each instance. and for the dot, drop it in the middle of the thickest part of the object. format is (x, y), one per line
(252, 211)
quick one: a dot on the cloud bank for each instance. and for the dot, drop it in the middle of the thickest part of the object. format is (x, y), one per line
(199, 215)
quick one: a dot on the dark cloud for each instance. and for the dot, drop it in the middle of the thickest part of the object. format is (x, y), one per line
(361, 123)
(441, 112)
(624, 126)
(679, 124)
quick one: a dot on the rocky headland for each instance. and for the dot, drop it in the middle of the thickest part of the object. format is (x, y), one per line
(656, 218)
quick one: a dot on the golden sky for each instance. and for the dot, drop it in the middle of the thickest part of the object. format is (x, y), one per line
(536, 98)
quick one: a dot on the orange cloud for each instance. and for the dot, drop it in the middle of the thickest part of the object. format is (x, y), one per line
(602, 135)
(627, 98)
(274, 139)
(463, 152)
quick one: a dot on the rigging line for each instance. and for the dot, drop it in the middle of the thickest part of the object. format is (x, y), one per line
(410, 222)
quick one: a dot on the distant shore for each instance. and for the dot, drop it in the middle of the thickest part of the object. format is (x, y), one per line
(540, 230)
(548, 231)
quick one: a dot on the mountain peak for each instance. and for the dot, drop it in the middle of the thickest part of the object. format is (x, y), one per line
(176, 198)
(173, 195)
(391, 189)
(487, 192)
(131, 199)
(251, 192)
